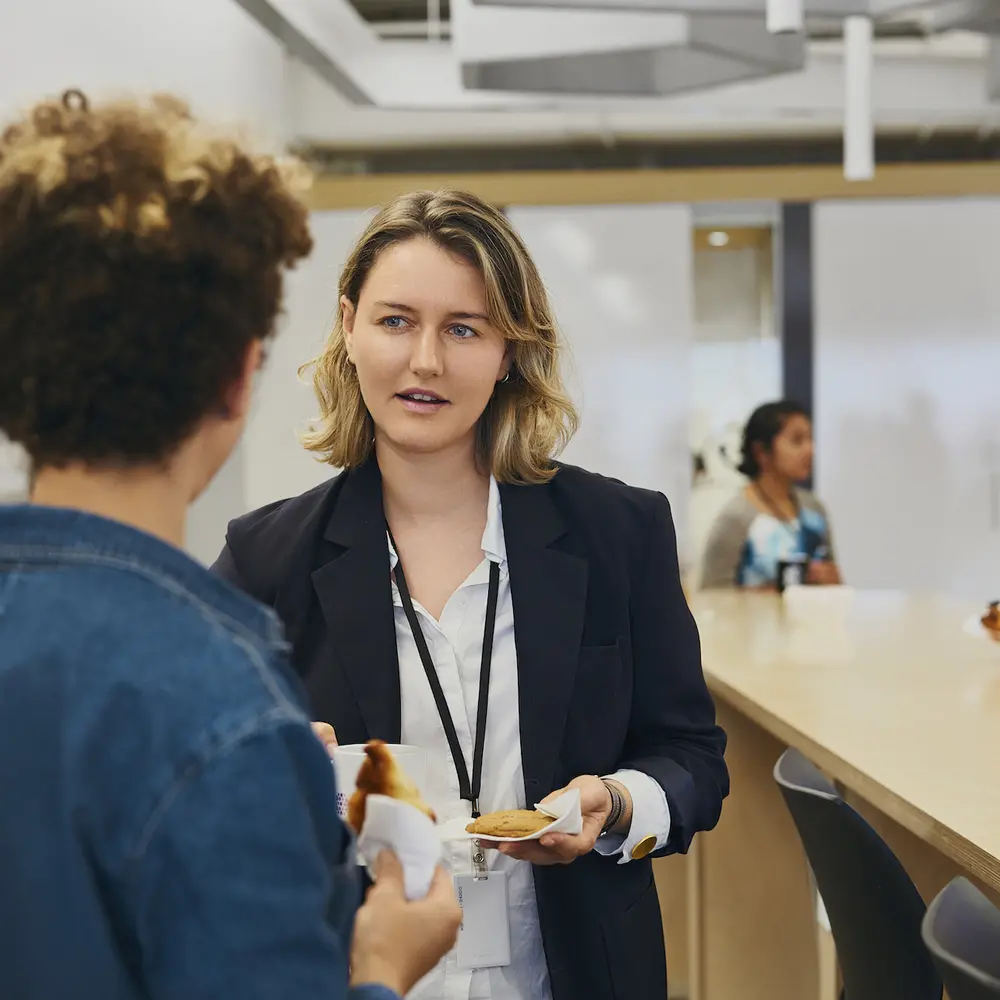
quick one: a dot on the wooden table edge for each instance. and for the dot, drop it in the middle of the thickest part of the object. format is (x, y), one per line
(950, 843)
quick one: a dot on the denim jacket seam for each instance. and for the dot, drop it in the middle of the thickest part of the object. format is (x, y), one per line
(25, 553)
(259, 723)
(266, 676)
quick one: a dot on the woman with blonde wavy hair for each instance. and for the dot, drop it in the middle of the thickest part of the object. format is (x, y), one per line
(520, 620)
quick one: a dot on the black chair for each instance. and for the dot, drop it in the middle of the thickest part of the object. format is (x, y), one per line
(875, 910)
(962, 932)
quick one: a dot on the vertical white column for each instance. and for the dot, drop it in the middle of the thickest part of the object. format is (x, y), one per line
(434, 20)
(993, 69)
(785, 16)
(859, 125)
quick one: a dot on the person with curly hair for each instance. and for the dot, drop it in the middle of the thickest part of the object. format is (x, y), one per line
(169, 821)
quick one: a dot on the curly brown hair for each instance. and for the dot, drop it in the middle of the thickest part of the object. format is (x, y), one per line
(139, 259)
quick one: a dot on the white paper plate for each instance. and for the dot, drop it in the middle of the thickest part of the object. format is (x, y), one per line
(565, 811)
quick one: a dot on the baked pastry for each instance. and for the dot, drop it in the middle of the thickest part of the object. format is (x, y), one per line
(510, 823)
(991, 620)
(381, 775)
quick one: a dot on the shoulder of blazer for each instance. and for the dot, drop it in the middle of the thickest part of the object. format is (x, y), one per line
(603, 496)
(621, 513)
(264, 542)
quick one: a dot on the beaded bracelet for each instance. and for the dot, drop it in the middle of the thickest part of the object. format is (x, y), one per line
(617, 807)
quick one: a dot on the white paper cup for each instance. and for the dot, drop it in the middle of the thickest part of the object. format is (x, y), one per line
(347, 761)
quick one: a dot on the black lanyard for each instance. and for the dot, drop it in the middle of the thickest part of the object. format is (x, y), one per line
(468, 790)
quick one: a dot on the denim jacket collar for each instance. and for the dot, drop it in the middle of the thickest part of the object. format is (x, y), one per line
(33, 534)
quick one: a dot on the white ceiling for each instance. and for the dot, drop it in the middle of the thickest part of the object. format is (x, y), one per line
(361, 88)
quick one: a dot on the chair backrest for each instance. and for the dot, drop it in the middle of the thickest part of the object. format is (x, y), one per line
(962, 933)
(875, 910)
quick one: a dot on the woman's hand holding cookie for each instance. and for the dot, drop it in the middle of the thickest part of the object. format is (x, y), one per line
(562, 848)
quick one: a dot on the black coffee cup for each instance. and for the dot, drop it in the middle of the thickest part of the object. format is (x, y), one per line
(792, 572)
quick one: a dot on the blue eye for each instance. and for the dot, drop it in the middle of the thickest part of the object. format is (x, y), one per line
(393, 322)
(463, 332)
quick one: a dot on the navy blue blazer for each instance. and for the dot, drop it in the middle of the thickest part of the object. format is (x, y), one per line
(609, 676)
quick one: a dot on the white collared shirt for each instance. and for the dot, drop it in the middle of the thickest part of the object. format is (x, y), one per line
(455, 643)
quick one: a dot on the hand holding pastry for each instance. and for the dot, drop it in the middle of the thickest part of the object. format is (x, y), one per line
(381, 775)
(396, 943)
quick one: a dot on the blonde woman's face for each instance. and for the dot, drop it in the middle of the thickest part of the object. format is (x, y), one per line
(426, 355)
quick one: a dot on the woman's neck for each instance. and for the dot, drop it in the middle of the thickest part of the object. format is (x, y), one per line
(776, 491)
(421, 487)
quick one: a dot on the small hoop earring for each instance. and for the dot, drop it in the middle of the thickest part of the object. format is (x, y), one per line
(506, 377)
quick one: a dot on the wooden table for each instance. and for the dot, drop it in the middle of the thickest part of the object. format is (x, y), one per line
(901, 708)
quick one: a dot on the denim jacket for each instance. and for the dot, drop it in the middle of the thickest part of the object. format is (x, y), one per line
(168, 822)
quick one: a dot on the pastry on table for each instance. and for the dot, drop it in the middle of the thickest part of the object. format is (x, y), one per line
(510, 823)
(381, 775)
(991, 620)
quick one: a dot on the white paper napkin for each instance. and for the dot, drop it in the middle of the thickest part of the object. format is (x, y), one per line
(565, 811)
(409, 834)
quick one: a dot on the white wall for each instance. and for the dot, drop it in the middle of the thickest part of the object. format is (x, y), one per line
(907, 399)
(621, 286)
(207, 51)
(276, 465)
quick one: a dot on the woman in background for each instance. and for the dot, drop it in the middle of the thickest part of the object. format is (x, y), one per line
(773, 520)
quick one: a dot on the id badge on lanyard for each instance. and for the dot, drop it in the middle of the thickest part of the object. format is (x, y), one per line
(484, 938)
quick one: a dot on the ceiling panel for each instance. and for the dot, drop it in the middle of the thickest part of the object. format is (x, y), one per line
(613, 54)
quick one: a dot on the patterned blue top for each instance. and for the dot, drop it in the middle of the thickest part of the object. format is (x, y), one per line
(746, 545)
(770, 541)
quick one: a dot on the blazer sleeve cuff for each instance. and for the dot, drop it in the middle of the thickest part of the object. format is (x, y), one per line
(650, 817)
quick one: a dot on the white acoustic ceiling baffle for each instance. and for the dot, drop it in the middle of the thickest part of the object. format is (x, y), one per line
(785, 15)
(859, 125)
(616, 54)
(491, 34)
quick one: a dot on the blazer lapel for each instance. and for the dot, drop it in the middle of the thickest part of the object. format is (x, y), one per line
(549, 594)
(355, 594)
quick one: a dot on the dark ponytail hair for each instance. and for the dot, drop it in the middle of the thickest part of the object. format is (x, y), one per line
(764, 425)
